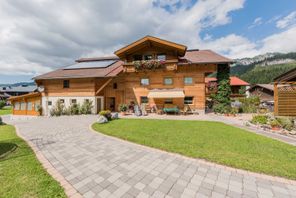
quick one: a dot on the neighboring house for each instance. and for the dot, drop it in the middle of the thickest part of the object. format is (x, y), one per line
(237, 86)
(263, 91)
(149, 71)
(8, 91)
(285, 94)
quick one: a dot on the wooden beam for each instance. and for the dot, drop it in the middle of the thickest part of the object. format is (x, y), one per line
(104, 85)
(276, 105)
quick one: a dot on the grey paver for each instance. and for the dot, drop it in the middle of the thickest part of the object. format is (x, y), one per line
(100, 166)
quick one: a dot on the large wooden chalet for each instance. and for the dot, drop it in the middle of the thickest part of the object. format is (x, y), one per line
(149, 70)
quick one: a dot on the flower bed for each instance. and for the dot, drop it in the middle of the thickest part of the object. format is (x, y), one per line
(148, 64)
(279, 124)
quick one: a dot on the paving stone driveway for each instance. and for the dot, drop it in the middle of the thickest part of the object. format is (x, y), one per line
(100, 166)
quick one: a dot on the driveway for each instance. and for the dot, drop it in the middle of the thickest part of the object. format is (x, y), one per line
(100, 166)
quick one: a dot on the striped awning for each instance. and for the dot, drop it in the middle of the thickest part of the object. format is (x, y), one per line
(166, 93)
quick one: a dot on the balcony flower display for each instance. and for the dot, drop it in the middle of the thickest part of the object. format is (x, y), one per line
(148, 64)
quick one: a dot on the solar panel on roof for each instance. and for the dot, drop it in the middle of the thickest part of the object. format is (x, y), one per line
(91, 64)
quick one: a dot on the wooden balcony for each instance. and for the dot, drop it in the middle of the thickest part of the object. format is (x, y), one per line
(169, 65)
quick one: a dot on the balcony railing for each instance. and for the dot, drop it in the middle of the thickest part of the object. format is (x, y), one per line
(150, 65)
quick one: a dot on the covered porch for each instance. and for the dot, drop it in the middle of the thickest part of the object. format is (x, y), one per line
(28, 104)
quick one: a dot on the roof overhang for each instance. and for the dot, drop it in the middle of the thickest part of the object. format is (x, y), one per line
(26, 96)
(166, 93)
(148, 41)
(286, 77)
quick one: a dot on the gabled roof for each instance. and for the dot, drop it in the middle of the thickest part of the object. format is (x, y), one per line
(286, 76)
(26, 96)
(147, 40)
(265, 86)
(234, 81)
(93, 72)
(21, 88)
(203, 57)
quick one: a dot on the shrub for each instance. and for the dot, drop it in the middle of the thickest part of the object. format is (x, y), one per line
(2, 104)
(274, 123)
(286, 123)
(67, 111)
(75, 109)
(58, 109)
(221, 108)
(122, 107)
(106, 114)
(250, 105)
(259, 119)
(1, 122)
(86, 107)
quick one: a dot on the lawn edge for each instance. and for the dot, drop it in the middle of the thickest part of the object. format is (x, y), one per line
(69, 190)
(203, 161)
(255, 130)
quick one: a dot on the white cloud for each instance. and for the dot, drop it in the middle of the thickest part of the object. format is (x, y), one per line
(39, 35)
(281, 42)
(258, 21)
(287, 21)
(234, 46)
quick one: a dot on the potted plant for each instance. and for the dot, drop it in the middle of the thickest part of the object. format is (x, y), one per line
(275, 125)
(233, 111)
(123, 108)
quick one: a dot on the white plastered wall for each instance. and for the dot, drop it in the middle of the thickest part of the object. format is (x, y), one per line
(80, 99)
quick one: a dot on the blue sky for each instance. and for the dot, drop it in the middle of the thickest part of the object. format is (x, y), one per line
(242, 19)
(36, 40)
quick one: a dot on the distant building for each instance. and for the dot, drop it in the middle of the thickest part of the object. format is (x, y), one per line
(7, 91)
(236, 84)
(263, 91)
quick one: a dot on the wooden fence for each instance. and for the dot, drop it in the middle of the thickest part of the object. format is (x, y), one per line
(285, 100)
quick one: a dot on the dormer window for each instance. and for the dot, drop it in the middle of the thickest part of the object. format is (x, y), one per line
(137, 57)
(161, 57)
(148, 57)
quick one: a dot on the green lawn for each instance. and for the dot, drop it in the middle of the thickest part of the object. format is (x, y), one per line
(21, 174)
(213, 141)
(6, 111)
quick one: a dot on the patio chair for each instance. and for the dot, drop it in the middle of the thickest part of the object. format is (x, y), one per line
(158, 109)
(186, 110)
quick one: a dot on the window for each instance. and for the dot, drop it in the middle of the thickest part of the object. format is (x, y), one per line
(62, 101)
(37, 105)
(17, 106)
(144, 81)
(188, 100)
(144, 99)
(29, 106)
(168, 101)
(137, 57)
(23, 106)
(114, 85)
(49, 103)
(188, 80)
(161, 57)
(147, 57)
(168, 81)
(73, 101)
(66, 84)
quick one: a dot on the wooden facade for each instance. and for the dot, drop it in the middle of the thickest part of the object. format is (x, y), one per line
(129, 88)
(27, 104)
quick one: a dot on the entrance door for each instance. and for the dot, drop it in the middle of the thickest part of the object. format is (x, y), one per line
(119, 98)
(100, 104)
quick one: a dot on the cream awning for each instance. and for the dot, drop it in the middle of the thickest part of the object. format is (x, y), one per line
(166, 93)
